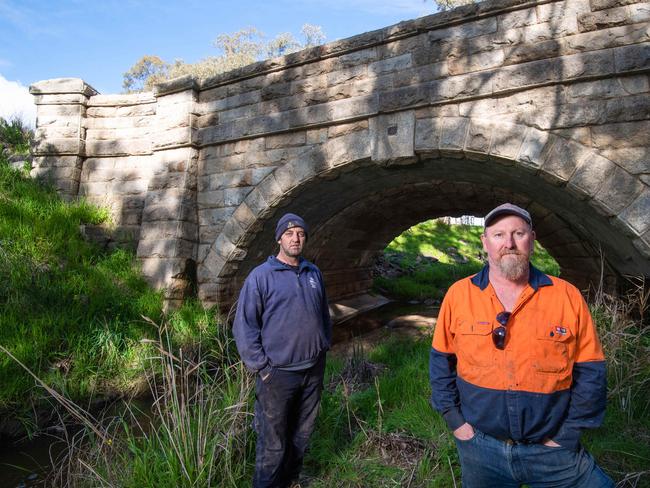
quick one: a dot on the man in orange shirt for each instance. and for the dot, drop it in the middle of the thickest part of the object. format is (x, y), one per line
(516, 368)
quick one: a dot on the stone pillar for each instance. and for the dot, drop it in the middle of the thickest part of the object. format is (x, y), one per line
(168, 238)
(59, 146)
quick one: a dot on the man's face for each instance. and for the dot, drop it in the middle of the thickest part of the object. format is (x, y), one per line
(292, 241)
(509, 243)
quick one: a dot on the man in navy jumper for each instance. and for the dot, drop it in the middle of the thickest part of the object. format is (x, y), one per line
(283, 329)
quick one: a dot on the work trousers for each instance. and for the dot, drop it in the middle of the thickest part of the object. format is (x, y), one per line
(487, 462)
(286, 407)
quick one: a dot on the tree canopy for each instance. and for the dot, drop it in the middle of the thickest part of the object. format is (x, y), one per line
(238, 49)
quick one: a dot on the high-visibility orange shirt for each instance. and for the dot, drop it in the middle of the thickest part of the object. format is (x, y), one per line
(551, 353)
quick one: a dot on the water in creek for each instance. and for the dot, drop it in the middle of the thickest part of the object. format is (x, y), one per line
(26, 462)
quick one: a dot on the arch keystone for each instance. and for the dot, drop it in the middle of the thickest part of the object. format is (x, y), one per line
(392, 138)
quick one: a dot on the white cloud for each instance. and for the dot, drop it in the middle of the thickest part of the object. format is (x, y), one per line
(15, 100)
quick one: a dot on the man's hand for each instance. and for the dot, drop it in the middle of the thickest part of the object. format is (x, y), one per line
(550, 443)
(465, 432)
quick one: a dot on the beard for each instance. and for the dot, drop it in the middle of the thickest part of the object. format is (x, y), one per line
(513, 266)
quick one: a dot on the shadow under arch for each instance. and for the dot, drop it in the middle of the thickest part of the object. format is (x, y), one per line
(356, 203)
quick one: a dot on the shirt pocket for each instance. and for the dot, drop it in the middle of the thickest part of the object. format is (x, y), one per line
(474, 339)
(551, 349)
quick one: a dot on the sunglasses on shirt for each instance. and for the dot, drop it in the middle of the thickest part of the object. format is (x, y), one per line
(499, 334)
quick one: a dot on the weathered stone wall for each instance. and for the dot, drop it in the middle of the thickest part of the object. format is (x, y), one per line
(544, 103)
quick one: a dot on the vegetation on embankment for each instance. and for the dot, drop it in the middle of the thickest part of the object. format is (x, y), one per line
(432, 255)
(70, 311)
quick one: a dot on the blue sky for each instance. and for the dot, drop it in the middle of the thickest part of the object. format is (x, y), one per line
(100, 40)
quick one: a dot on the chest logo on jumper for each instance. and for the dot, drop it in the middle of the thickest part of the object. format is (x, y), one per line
(560, 330)
(312, 282)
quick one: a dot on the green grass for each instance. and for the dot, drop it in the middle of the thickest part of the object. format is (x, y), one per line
(69, 311)
(458, 251)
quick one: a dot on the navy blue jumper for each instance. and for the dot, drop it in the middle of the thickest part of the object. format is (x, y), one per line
(282, 318)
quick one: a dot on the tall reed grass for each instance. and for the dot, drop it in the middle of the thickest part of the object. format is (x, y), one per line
(196, 433)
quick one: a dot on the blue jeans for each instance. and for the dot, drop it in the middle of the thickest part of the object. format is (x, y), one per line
(488, 462)
(286, 407)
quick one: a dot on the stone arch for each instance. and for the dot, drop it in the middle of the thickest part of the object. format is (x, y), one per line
(412, 168)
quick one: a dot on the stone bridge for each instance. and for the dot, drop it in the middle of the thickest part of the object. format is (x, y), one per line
(543, 103)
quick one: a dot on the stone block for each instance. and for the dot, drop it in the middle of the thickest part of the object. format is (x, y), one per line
(347, 75)
(54, 161)
(588, 64)
(159, 272)
(475, 62)
(59, 146)
(170, 211)
(166, 181)
(639, 12)
(363, 57)
(356, 146)
(603, 4)
(479, 138)
(535, 148)
(623, 109)
(562, 160)
(533, 51)
(401, 98)
(589, 176)
(291, 139)
(618, 191)
(234, 233)
(256, 202)
(178, 137)
(427, 136)
(276, 90)
(621, 135)
(130, 187)
(62, 85)
(603, 19)
(453, 135)
(507, 141)
(244, 216)
(61, 99)
(464, 31)
(227, 179)
(224, 248)
(120, 133)
(166, 248)
(91, 188)
(392, 137)
(129, 147)
(517, 18)
(270, 191)
(116, 100)
(635, 160)
(469, 85)
(234, 196)
(244, 112)
(532, 73)
(390, 65)
(215, 217)
(167, 230)
(637, 214)
(632, 58)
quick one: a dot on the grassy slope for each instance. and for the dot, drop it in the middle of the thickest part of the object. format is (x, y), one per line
(69, 311)
(434, 239)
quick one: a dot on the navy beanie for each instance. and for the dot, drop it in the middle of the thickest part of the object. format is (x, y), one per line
(287, 221)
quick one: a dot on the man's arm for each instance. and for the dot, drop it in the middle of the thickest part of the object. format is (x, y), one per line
(442, 369)
(325, 310)
(444, 392)
(247, 328)
(589, 386)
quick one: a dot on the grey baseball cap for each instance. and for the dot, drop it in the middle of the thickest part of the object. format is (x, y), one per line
(507, 209)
